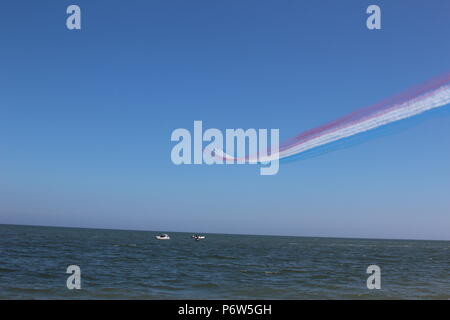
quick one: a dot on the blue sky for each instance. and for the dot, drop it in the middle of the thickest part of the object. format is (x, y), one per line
(86, 116)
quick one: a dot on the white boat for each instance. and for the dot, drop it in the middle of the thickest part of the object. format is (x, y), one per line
(197, 237)
(162, 237)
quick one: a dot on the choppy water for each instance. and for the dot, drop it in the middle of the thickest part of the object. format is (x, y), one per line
(133, 265)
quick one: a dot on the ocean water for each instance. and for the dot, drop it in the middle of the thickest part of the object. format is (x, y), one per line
(118, 264)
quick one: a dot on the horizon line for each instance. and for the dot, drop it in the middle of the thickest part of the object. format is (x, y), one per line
(220, 233)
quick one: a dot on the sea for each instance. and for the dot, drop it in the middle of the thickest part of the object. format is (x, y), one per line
(121, 264)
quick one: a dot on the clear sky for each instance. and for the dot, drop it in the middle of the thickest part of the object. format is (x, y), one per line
(86, 116)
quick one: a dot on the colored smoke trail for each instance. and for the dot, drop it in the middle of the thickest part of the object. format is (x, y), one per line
(431, 95)
(437, 99)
